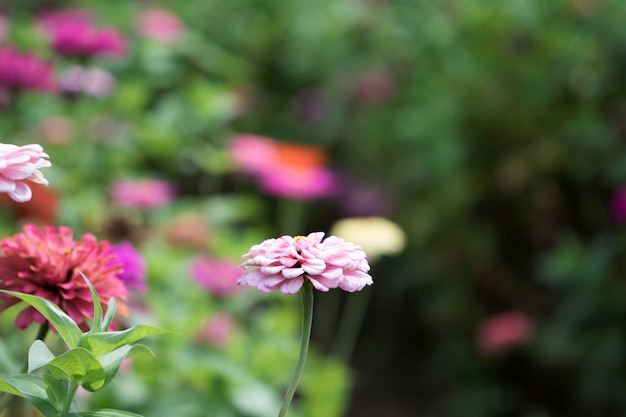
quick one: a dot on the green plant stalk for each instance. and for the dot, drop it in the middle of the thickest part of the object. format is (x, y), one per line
(306, 293)
(71, 392)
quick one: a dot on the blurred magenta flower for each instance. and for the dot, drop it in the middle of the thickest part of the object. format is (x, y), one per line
(289, 170)
(94, 82)
(217, 331)
(159, 24)
(133, 273)
(144, 193)
(503, 332)
(25, 71)
(283, 264)
(19, 164)
(618, 205)
(47, 262)
(72, 33)
(217, 276)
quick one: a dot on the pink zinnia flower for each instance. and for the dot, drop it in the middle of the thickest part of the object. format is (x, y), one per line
(47, 262)
(72, 34)
(217, 276)
(284, 263)
(24, 71)
(143, 193)
(159, 24)
(19, 164)
(503, 331)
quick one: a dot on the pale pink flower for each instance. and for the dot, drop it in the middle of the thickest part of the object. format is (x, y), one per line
(284, 263)
(217, 331)
(19, 164)
(217, 276)
(159, 24)
(503, 331)
(145, 193)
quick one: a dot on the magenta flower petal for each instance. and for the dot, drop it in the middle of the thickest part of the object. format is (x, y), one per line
(283, 264)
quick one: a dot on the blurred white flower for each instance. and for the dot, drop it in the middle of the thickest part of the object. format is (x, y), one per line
(376, 235)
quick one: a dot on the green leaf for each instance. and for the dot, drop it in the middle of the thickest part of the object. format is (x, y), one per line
(33, 388)
(38, 355)
(96, 326)
(112, 361)
(108, 317)
(56, 391)
(65, 326)
(105, 342)
(8, 388)
(78, 365)
(103, 413)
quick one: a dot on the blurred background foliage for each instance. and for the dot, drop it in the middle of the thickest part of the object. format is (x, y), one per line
(492, 132)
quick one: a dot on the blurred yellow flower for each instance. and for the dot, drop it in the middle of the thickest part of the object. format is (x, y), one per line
(376, 235)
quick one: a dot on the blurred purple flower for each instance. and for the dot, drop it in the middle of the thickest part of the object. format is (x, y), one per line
(159, 24)
(72, 33)
(503, 332)
(145, 193)
(24, 71)
(133, 273)
(310, 105)
(618, 205)
(94, 82)
(359, 199)
(217, 276)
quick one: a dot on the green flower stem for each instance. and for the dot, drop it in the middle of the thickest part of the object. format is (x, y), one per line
(307, 320)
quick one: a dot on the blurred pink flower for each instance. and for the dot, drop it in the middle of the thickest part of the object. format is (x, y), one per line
(298, 183)
(217, 276)
(159, 24)
(19, 164)
(4, 27)
(283, 264)
(72, 33)
(502, 332)
(24, 71)
(217, 331)
(618, 205)
(290, 170)
(145, 193)
(47, 262)
(252, 153)
(94, 82)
